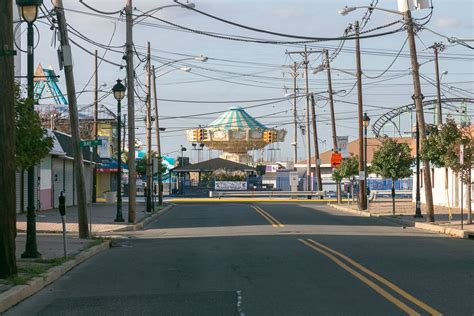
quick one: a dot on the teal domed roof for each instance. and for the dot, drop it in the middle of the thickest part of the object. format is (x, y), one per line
(236, 118)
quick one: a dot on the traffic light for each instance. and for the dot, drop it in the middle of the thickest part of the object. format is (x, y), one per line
(266, 136)
(202, 134)
(195, 134)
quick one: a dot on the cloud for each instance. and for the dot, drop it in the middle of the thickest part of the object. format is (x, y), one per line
(448, 22)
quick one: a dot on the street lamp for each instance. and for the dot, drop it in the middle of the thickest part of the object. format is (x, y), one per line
(28, 10)
(404, 10)
(366, 122)
(119, 93)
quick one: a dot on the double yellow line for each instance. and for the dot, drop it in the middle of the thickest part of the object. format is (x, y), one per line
(274, 222)
(346, 264)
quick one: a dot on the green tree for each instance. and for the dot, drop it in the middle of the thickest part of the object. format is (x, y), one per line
(458, 164)
(392, 161)
(347, 169)
(32, 142)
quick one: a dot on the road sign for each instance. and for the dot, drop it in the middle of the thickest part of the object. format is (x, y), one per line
(336, 159)
(91, 143)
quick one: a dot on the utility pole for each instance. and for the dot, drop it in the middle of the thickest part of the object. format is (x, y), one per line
(7, 143)
(437, 47)
(316, 146)
(331, 101)
(158, 143)
(96, 132)
(305, 55)
(149, 190)
(132, 183)
(360, 112)
(418, 99)
(74, 120)
(294, 73)
(124, 132)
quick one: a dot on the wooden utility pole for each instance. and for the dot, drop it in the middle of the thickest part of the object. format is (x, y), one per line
(124, 132)
(418, 99)
(437, 47)
(74, 120)
(316, 145)
(305, 55)
(331, 102)
(294, 73)
(149, 190)
(360, 114)
(158, 143)
(96, 115)
(132, 183)
(7, 143)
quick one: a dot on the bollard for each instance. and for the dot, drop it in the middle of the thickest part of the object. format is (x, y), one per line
(62, 211)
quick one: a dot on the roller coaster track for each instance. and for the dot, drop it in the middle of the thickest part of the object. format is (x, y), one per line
(378, 125)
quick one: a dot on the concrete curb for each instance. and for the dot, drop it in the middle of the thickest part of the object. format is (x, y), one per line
(20, 292)
(146, 220)
(348, 210)
(453, 232)
(449, 231)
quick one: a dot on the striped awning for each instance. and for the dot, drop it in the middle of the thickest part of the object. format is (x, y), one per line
(236, 118)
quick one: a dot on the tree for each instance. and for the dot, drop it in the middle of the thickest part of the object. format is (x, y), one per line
(32, 144)
(347, 169)
(453, 159)
(443, 150)
(7, 144)
(436, 147)
(392, 161)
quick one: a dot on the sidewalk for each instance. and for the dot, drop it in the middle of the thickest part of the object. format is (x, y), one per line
(101, 215)
(404, 211)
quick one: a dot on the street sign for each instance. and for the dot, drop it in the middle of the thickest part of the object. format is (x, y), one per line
(336, 159)
(91, 143)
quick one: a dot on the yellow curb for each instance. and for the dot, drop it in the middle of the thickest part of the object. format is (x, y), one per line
(247, 200)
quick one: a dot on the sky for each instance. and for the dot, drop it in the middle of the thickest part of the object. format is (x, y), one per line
(244, 71)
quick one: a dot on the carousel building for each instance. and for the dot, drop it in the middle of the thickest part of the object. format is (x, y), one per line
(236, 133)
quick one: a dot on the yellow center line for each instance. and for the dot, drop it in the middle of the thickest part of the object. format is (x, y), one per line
(273, 218)
(384, 281)
(266, 217)
(364, 279)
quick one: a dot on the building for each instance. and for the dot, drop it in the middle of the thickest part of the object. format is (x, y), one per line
(55, 173)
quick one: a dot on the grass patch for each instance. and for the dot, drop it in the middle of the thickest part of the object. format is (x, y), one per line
(54, 261)
(33, 269)
(16, 280)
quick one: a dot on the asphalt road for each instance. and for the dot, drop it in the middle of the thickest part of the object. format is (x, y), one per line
(267, 259)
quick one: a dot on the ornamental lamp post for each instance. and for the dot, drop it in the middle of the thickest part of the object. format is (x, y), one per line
(119, 93)
(366, 122)
(28, 10)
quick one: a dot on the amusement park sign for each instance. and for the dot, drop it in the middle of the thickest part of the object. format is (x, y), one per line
(230, 185)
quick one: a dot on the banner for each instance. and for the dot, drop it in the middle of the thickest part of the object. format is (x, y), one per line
(230, 186)
(342, 143)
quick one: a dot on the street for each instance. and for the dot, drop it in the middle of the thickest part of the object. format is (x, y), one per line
(267, 259)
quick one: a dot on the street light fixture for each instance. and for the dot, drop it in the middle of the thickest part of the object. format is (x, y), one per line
(28, 10)
(366, 122)
(119, 93)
